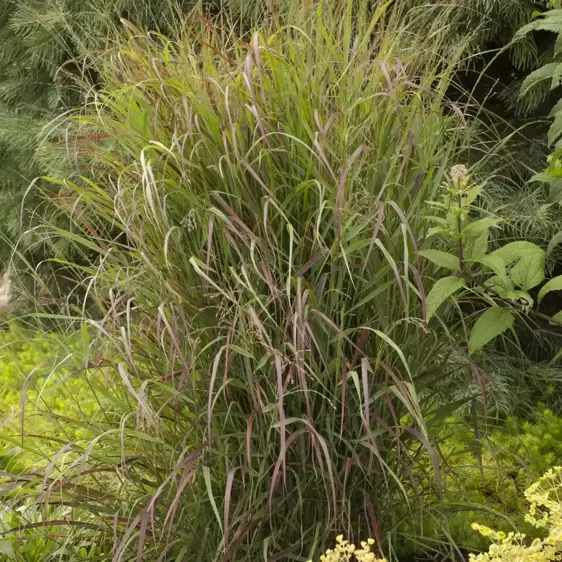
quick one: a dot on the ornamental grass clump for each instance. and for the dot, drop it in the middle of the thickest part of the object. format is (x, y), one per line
(252, 212)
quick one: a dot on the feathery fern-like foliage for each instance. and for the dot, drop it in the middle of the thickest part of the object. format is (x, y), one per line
(549, 78)
(539, 83)
(45, 48)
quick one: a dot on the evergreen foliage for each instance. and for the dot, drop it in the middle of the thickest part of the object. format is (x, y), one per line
(497, 21)
(548, 78)
(46, 46)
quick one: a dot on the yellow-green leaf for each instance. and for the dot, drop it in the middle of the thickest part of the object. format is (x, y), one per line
(516, 250)
(442, 259)
(554, 284)
(496, 264)
(529, 270)
(557, 318)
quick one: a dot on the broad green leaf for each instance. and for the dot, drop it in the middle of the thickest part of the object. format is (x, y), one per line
(437, 231)
(480, 226)
(476, 236)
(499, 285)
(476, 245)
(548, 21)
(516, 250)
(472, 194)
(442, 259)
(554, 284)
(453, 222)
(441, 291)
(491, 324)
(536, 77)
(496, 264)
(529, 270)
(437, 220)
(542, 177)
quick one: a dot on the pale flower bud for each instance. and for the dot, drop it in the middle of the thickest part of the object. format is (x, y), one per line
(459, 173)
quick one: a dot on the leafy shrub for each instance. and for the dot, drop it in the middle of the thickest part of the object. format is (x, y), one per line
(496, 287)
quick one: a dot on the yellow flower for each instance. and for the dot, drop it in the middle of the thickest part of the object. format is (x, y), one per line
(512, 547)
(344, 551)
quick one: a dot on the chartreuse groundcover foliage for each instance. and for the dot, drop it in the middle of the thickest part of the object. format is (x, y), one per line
(483, 479)
(544, 513)
(41, 390)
